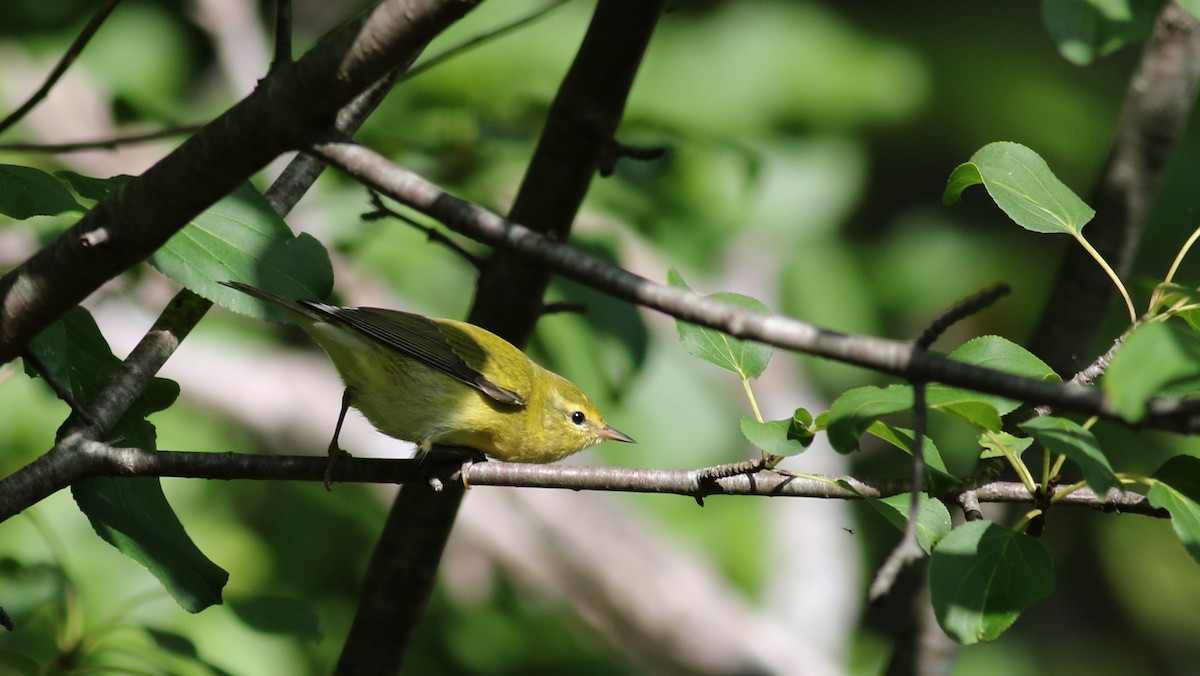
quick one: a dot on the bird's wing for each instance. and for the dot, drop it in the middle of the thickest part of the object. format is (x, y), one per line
(425, 340)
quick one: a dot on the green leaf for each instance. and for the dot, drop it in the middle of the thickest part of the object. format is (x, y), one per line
(1066, 437)
(1002, 354)
(983, 411)
(933, 519)
(744, 358)
(1085, 30)
(132, 514)
(90, 187)
(1023, 186)
(778, 437)
(1155, 356)
(278, 615)
(242, 238)
(1177, 490)
(904, 439)
(853, 412)
(26, 192)
(993, 443)
(982, 576)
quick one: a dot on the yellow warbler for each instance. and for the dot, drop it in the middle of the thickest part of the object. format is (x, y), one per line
(440, 381)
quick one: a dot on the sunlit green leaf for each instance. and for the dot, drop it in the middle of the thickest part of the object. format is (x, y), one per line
(993, 443)
(1155, 356)
(933, 519)
(241, 238)
(1023, 186)
(744, 358)
(776, 437)
(1177, 490)
(983, 576)
(1065, 437)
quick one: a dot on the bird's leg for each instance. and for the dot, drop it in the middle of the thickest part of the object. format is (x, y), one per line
(334, 451)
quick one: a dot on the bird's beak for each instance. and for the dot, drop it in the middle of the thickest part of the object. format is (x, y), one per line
(615, 435)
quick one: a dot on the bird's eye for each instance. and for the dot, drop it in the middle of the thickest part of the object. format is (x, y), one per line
(578, 417)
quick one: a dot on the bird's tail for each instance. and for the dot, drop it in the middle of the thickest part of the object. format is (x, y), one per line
(305, 309)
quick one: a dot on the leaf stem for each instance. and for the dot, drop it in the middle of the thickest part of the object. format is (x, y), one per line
(1111, 274)
(1179, 256)
(753, 401)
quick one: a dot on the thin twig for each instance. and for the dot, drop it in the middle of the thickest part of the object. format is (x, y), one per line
(431, 234)
(481, 39)
(909, 548)
(111, 143)
(63, 64)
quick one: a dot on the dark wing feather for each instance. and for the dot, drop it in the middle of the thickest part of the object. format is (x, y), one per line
(422, 339)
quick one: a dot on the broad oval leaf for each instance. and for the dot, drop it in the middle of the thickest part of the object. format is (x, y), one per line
(27, 192)
(776, 437)
(983, 576)
(1177, 490)
(132, 514)
(1155, 356)
(994, 445)
(904, 439)
(1065, 437)
(984, 410)
(933, 519)
(743, 357)
(1022, 185)
(241, 238)
(853, 412)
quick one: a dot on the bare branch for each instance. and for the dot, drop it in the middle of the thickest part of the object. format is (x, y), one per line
(508, 300)
(63, 64)
(111, 143)
(289, 107)
(27, 486)
(880, 354)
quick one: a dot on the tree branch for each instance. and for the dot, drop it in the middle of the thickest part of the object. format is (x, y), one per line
(290, 106)
(1156, 109)
(68, 58)
(443, 472)
(892, 357)
(583, 118)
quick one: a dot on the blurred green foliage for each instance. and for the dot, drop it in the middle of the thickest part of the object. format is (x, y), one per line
(807, 146)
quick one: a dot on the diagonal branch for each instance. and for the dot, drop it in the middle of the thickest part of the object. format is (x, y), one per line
(880, 354)
(85, 36)
(290, 106)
